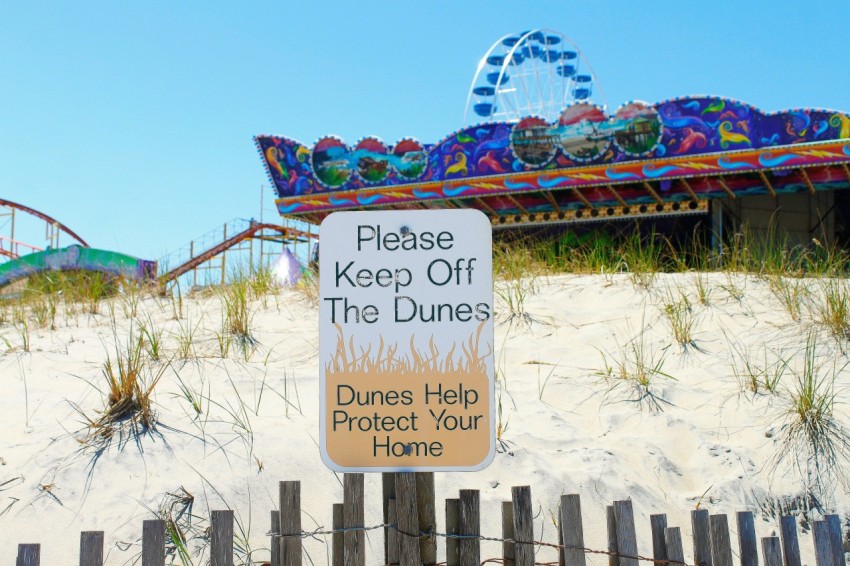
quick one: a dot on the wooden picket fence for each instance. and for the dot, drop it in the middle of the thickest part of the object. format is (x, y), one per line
(410, 533)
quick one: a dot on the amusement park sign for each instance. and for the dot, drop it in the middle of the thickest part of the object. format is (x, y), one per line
(406, 341)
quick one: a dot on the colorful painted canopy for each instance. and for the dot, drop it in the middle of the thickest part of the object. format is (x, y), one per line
(662, 158)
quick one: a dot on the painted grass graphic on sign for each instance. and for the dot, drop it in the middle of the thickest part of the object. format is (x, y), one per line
(419, 408)
(352, 359)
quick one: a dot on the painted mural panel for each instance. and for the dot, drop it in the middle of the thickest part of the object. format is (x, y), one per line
(584, 135)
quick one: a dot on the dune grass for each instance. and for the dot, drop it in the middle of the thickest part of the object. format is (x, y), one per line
(680, 315)
(813, 439)
(236, 299)
(792, 293)
(832, 306)
(516, 272)
(636, 367)
(129, 379)
(643, 256)
(757, 372)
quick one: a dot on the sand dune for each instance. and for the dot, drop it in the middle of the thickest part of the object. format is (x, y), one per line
(574, 416)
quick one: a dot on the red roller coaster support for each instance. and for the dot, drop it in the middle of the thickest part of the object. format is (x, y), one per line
(46, 218)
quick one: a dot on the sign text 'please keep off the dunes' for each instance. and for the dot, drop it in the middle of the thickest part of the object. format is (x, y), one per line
(406, 340)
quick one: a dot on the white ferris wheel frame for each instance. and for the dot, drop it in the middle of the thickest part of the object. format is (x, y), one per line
(547, 109)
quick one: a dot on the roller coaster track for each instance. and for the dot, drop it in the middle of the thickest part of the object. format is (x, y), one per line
(253, 231)
(40, 215)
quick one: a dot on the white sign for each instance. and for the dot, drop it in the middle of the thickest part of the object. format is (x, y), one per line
(406, 340)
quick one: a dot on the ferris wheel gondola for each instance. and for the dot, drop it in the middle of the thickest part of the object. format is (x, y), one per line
(536, 72)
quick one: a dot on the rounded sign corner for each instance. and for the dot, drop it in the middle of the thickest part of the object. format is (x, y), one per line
(328, 461)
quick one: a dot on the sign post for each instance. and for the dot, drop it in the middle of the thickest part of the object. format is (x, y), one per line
(406, 341)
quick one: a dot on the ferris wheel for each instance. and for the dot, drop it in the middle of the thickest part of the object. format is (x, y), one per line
(535, 72)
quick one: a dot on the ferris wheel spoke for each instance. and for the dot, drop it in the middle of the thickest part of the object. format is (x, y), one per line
(538, 82)
(522, 83)
(552, 101)
(512, 88)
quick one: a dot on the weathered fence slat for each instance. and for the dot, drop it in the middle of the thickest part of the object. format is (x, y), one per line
(823, 546)
(221, 538)
(408, 520)
(404, 540)
(747, 541)
(523, 525)
(771, 549)
(560, 538)
(626, 537)
(452, 528)
(29, 555)
(153, 543)
(91, 548)
(790, 544)
(611, 523)
(673, 540)
(275, 538)
(426, 510)
(701, 528)
(290, 522)
(834, 524)
(354, 540)
(658, 523)
(571, 531)
(392, 542)
(388, 493)
(508, 547)
(721, 545)
(469, 549)
(337, 539)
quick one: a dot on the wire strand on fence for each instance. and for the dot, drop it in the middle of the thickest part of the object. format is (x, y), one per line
(427, 534)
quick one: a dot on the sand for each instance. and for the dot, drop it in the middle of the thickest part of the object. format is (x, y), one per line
(700, 439)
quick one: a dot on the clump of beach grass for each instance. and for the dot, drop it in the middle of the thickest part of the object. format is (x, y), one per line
(90, 288)
(636, 368)
(813, 440)
(643, 258)
(22, 329)
(735, 287)
(758, 371)
(262, 282)
(130, 293)
(237, 312)
(517, 272)
(130, 380)
(185, 335)
(680, 315)
(703, 289)
(792, 293)
(832, 306)
(592, 252)
(151, 337)
(194, 396)
(827, 260)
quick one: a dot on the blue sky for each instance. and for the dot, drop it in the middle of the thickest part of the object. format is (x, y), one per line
(131, 122)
